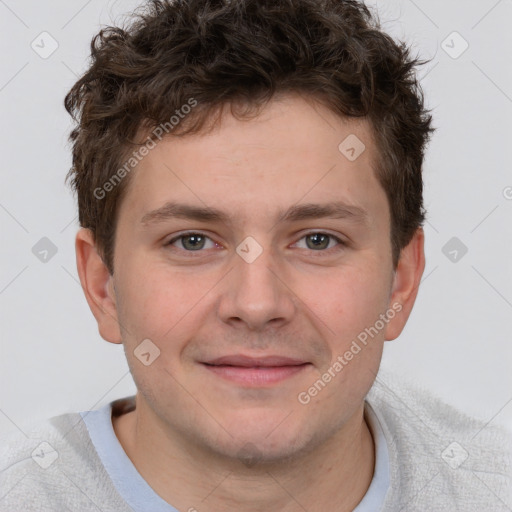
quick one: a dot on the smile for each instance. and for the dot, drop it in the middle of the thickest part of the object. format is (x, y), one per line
(256, 371)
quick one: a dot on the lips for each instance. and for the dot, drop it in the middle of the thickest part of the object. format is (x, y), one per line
(253, 362)
(255, 371)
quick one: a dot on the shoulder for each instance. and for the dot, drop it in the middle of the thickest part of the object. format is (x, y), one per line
(38, 444)
(440, 456)
(52, 465)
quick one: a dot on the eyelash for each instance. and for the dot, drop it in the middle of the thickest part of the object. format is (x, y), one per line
(341, 244)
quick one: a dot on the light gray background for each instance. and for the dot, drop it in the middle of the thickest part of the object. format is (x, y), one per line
(457, 341)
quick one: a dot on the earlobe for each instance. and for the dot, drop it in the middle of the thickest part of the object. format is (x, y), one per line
(98, 287)
(406, 283)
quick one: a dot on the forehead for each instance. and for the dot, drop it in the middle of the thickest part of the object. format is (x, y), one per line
(294, 151)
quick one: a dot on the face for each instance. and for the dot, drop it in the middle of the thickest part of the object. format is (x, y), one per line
(251, 308)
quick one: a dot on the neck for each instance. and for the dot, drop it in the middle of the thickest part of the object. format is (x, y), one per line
(191, 478)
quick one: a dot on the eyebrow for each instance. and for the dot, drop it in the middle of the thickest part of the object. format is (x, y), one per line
(334, 210)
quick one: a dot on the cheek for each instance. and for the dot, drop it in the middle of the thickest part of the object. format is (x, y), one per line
(350, 305)
(159, 303)
(146, 299)
(351, 300)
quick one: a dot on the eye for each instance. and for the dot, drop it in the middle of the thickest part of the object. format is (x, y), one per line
(315, 241)
(191, 242)
(320, 242)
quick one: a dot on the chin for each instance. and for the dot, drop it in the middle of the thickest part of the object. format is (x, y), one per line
(257, 452)
(266, 442)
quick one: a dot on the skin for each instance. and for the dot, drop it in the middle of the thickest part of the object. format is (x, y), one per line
(206, 443)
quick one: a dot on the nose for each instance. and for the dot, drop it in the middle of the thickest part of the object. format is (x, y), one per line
(257, 294)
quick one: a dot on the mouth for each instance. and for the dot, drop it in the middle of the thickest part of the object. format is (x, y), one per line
(256, 371)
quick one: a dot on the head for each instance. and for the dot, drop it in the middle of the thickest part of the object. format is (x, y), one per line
(250, 110)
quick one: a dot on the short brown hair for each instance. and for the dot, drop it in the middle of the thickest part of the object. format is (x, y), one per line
(241, 53)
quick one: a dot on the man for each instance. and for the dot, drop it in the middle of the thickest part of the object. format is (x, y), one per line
(249, 185)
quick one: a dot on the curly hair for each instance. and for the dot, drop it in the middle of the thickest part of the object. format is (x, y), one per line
(241, 53)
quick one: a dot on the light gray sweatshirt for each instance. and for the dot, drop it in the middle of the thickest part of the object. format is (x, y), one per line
(439, 460)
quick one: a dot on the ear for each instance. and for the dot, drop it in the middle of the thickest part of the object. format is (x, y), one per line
(406, 283)
(98, 286)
